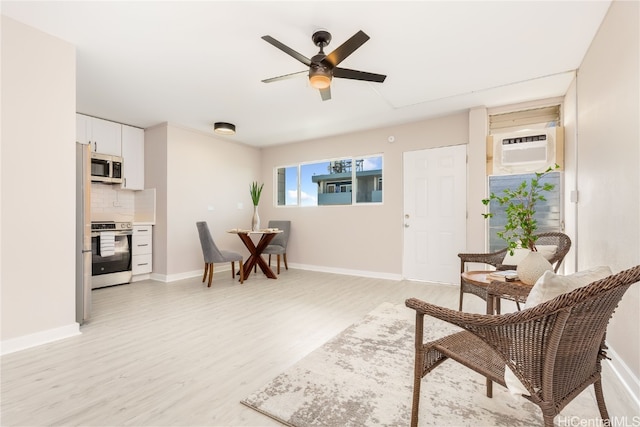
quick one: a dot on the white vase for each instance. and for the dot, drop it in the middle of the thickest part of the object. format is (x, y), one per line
(255, 220)
(532, 267)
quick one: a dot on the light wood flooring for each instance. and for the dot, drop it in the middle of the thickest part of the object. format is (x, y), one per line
(182, 354)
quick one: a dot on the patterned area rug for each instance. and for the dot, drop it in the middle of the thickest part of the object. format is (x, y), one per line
(364, 377)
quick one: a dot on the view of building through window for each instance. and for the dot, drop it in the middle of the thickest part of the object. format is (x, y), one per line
(331, 182)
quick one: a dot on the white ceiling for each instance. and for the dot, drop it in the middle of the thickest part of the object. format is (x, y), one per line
(195, 63)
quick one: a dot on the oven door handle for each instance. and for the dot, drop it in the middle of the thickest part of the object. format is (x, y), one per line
(117, 233)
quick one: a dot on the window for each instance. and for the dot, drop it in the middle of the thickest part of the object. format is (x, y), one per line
(535, 117)
(548, 212)
(287, 186)
(331, 182)
(310, 188)
(369, 180)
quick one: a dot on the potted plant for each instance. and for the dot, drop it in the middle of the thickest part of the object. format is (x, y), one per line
(255, 192)
(519, 231)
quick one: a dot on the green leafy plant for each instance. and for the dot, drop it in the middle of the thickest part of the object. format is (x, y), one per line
(519, 231)
(255, 192)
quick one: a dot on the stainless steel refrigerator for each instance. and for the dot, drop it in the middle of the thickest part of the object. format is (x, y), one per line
(83, 233)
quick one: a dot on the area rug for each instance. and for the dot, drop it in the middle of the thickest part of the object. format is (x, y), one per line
(364, 377)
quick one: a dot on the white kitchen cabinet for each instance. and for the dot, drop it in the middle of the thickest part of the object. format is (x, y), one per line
(133, 155)
(104, 136)
(141, 253)
(82, 123)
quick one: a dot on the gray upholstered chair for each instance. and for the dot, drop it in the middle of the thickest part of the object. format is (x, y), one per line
(214, 255)
(278, 245)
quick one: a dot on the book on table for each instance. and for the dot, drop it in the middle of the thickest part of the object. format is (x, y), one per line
(503, 275)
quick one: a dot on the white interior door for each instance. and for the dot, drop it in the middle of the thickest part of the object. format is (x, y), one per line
(434, 213)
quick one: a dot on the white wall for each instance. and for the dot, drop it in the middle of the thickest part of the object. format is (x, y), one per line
(361, 239)
(477, 180)
(570, 176)
(155, 176)
(608, 177)
(37, 171)
(197, 177)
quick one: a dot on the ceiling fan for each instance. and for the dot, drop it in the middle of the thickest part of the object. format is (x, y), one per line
(323, 68)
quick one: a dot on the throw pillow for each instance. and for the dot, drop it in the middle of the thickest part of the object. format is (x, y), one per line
(547, 251)
(549, 286)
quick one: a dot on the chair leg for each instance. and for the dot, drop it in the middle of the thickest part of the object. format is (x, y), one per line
(461, 296)
(269, 260)
(604, 414)
(418, 368)
(416, 395)
(210, 274)
(548, 420)
(233, 270)
(241, 273)
(284, 256)
(278, 258)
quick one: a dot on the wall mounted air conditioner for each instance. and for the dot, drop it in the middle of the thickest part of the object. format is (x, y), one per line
(525, 151)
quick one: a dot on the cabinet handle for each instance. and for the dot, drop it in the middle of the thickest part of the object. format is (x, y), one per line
(143, 230)
(144, 244)
(144, 263)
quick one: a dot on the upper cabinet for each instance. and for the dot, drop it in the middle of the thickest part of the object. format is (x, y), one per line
(133, 155)
(104, 136)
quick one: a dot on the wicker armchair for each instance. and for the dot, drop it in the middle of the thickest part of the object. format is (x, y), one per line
(560, 240)
(554, 348)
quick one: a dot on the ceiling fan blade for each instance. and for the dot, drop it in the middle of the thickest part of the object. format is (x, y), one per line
(286, 76)
(286, 49)
(325, 93)
(346, 73)
(346, 48)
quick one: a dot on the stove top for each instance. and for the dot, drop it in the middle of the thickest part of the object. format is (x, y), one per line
(110, 225)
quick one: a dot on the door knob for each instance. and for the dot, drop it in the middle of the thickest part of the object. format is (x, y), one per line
(406, 216)
(406, 226)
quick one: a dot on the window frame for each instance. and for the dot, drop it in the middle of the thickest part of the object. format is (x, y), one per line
(338, 186)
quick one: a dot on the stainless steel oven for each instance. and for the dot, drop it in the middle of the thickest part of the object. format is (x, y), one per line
(111, 253)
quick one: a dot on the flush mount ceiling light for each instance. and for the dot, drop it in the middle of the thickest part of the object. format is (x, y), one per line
(223, 128)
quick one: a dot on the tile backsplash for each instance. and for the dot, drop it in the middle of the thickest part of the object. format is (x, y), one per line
(110, 203)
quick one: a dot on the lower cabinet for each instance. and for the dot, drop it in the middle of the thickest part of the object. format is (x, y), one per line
(142, 250)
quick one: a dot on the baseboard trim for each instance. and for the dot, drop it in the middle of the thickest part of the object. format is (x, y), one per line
(627, 379)
(43, 337)
(347, 272)
(167, 278)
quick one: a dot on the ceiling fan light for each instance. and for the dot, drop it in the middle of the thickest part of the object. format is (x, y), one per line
(320, 81)
(223, 128)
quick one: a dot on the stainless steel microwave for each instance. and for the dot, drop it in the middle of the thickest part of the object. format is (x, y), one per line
(106, 168)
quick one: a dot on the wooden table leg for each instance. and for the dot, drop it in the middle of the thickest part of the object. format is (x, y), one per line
(255, 257)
